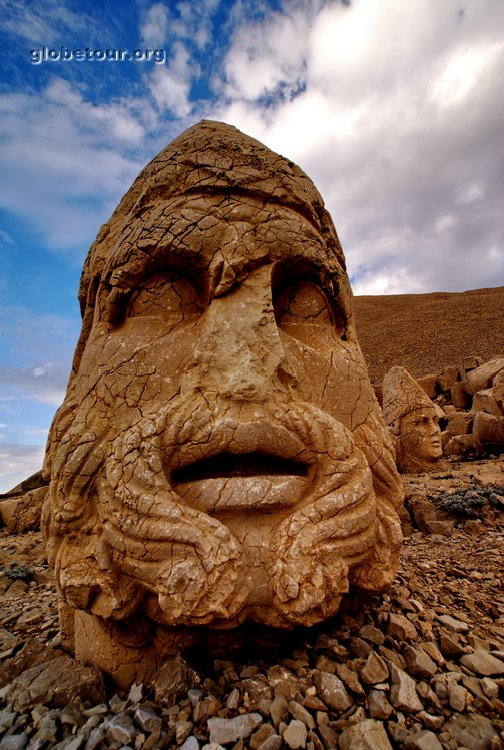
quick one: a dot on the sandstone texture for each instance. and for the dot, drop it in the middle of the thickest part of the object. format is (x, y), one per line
(21, 508)
(220, 456)
(413, 420)
(421, 666)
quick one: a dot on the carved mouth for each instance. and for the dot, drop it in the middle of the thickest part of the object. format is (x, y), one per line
(230, 465)
(257, 465)
(245, 481)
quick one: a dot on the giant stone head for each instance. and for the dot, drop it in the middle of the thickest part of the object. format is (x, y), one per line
(413, 420)
(220, 456)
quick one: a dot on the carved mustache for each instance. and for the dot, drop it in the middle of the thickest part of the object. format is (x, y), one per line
(190, 561)
(340, 504)
(277, 439)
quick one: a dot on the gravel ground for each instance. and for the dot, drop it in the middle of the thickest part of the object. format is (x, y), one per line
(420, 667)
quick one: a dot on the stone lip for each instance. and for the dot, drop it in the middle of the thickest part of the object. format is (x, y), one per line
(239, 437)
(253, 465)
(262, 491)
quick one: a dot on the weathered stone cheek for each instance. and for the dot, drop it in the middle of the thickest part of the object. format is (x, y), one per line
(327, 379)
(124, 376)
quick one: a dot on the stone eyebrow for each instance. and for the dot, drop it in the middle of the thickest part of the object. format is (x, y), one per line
(148, 257)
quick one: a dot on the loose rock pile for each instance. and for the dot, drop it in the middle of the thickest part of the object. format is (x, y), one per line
(472, 396)
(421, 667)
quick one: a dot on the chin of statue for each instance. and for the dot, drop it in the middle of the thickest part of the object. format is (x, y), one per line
(210, 517)
(416, 458)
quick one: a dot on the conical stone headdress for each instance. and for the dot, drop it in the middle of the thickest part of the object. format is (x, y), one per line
(402, 395)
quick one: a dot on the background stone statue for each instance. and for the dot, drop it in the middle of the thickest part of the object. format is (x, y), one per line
(219, 456)
(413, 420)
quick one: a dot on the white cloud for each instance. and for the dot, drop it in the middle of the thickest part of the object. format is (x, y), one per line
(403, 172)
(67, 159)
(109, 122)
(185, 21)
(170, 85)
(463, 71)
(471, 192)
(387, 283)
(170, 93)
(17, 463)
(154, 28)
(268, 57)
(43, 22)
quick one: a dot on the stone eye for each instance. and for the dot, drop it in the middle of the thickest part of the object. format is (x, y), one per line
(168, 297)
(304, 311)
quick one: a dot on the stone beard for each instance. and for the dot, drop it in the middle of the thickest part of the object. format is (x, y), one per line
(220, 456)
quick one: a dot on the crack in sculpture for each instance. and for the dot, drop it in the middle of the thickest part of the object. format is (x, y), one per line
(220, 456)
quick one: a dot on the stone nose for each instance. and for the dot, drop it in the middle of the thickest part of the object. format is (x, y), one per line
(239, 353)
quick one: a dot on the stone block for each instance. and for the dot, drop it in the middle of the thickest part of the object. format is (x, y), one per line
(27, 511)
(459, 423)
(447, 378)
(459, 445)
(488, 432)
(474, 732)
(482, 377)
(485, 401)
(467, 364)
(459, 396)
(428, 383)
(498, 390)
(366, 735)
(39, 674)
(173, 680)
(8, 509)
(428, 518)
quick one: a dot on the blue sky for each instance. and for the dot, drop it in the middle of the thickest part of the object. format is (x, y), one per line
(394, 108)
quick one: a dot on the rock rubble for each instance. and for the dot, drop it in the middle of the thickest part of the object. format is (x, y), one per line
(421, 667)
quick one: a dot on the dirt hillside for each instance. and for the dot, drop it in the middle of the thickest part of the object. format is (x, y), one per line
(426, 332)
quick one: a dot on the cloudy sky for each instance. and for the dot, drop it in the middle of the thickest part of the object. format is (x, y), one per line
(393, 107)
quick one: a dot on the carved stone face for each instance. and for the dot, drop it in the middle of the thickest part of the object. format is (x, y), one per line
(420, 436)
(220, 456)
(413, 420)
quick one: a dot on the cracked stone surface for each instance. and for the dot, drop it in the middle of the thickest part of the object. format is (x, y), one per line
(220, 455)
(413, 420)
